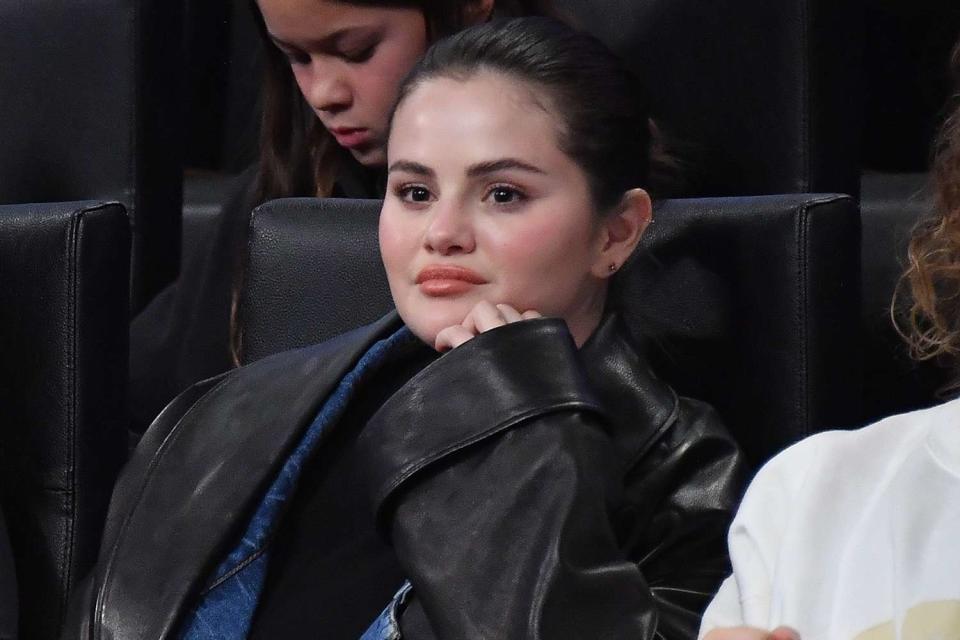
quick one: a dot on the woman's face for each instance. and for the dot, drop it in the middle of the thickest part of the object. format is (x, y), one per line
(348, 61)
(482, 204)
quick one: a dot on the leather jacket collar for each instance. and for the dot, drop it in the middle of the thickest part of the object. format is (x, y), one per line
(627, 388)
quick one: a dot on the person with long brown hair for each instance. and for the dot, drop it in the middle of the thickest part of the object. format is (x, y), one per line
(853, 534)
(331, 72)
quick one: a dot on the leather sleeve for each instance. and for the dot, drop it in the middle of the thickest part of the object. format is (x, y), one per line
(683, 493)
(80, 611)
(503, 494)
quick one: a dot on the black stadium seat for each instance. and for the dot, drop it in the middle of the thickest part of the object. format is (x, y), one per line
(766, 94)
(63, 328)
(750, 303)
(89, 111)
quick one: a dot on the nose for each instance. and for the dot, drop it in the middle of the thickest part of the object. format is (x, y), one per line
(450, 231)
(325, 87)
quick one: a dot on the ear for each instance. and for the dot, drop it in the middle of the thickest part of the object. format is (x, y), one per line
(477, 11)
(621, 231)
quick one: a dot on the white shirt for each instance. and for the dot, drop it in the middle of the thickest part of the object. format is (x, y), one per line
(852, 535)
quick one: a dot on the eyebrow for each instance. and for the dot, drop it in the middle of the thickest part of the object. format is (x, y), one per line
(474, 171)
(483, 168)
(411, 167)
(331, 40)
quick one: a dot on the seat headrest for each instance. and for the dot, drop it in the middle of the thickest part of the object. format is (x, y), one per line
(749, 303)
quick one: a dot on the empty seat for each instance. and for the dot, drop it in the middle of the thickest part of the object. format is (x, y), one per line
(765, 94)
(63, 326)
(90, 110)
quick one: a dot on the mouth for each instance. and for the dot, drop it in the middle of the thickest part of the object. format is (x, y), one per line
(352, 137)
(439, 281)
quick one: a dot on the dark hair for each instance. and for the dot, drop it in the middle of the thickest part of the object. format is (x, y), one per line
(297, 155)
(932, 310)
(605, 126)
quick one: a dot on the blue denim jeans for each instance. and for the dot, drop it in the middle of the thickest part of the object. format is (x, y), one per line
(387, 625)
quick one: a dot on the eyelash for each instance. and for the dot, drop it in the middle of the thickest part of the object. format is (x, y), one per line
(519, 195)
(295, 57)
(359, 57)
(404, 192)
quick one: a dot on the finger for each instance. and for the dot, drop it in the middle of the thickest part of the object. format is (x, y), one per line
(531, 315)
(509, 313)
(470, 321)
(486, 317)
(741, 633)
(451, 338)
(784, 633)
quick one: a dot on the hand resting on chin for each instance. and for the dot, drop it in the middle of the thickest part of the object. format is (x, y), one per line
(483, 317)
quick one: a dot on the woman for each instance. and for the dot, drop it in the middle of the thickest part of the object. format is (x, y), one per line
(535, 480)
(853, 534)
(332, 69)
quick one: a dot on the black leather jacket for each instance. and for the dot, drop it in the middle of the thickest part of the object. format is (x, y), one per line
(530, 490)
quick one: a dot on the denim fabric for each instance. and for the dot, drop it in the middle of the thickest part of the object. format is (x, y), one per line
(226, 609)
(387, 624)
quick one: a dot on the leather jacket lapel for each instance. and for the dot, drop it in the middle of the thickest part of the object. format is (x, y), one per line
(200, 483)
(629, 391)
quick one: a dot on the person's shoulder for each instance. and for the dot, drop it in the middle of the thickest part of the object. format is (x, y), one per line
(891, 437)
(848, 462)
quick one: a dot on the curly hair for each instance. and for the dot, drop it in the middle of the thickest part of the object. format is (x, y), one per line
(931, 309)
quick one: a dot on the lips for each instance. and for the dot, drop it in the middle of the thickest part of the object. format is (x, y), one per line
(447, 280)
(351, 137)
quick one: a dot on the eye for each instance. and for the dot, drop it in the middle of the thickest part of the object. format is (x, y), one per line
(502, 194)
(295, 57)
(414, 193)
(361, 54)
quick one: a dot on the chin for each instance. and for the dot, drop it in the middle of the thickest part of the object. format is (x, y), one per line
(427, 323)
(372, 158)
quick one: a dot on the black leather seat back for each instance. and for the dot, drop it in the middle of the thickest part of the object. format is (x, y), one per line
(63, 331)
(749, 303)
(752, 304)
(313, 272)
(765, 93)
(90, 110)
(893, 383)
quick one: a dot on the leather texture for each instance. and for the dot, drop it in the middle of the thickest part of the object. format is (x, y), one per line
(63, 322)
(313, 272)
(765, 94)
(750, 304)
(570, 495)
(91, 111)
(892, 205)
(653, 487)
(8, 586)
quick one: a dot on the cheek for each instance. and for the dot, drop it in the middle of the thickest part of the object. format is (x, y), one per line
(394, 243)
(543, 265)
(544, 247)
(302, 77)
(380, 85)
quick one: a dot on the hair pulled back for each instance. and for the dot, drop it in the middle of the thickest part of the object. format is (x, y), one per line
(932, 312)
(603, 115)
